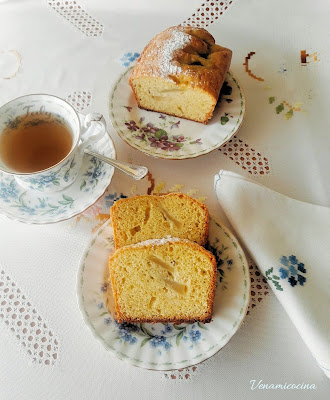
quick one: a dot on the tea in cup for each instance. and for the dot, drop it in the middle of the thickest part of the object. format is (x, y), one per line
(42, 143)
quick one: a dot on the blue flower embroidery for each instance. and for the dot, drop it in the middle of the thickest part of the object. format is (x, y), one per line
(283, 273)
(292, 280)
(111, 198)
(301, 267)
(290, 270)
(129, 58)
(293, 260)
(301, 280)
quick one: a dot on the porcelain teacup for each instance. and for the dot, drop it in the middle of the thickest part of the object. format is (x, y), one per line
(84, 133)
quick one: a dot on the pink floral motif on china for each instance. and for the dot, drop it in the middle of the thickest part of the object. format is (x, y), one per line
(169, 137)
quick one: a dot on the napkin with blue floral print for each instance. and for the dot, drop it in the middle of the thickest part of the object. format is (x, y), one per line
(290, 242)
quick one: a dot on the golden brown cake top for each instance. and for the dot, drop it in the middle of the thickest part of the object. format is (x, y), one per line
(186, 55)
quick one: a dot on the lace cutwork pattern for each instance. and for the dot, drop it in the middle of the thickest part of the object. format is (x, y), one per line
(246, 157)
(208, 12)
(184, 374)
(26, 324)
(74, 13)
(80, 100)
(259, 286)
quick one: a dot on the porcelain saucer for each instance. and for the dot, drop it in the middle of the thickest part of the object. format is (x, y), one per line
(168, 137)
(36, 207)
(165, 346)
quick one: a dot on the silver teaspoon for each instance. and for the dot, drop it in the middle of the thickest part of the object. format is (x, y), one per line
(134, 171)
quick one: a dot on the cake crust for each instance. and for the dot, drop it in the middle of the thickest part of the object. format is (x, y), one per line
(185, 57)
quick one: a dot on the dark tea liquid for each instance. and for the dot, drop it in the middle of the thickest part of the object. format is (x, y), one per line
(35, 141)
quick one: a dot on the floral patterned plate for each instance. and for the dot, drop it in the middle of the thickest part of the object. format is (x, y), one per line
(165, 346)
(175, 138)
(36, 207)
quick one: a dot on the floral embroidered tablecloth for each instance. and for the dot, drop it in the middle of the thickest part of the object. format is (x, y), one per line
(77, 50)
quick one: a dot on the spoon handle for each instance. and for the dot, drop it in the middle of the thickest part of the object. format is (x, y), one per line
(134, 171)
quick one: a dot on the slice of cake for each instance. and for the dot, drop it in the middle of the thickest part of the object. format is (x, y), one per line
(164, 280)
(153, 217)
(180, 72)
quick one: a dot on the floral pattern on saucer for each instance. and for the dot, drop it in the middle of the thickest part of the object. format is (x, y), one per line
(47, 180)
(170, 137)
(164, 346)
(36, 207)
(159, 136)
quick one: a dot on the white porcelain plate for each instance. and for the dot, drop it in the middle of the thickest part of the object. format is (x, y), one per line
(163, 136)
(165, 346)
(37, 207)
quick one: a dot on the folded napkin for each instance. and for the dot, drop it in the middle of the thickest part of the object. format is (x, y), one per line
(290, 242)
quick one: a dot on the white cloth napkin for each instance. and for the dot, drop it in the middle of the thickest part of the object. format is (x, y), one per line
(290, 242)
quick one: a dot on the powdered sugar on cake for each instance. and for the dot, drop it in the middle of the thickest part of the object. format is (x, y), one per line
(163, 52)
(160, 242)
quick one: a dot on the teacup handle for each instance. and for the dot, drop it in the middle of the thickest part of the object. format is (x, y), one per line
(95, 126)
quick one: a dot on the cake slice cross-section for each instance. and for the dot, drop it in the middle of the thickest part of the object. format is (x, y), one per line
(163, 280)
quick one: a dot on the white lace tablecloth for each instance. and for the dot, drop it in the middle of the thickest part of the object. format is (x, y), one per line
(69, 48)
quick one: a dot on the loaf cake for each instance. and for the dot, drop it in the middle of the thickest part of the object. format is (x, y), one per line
(153, 217)
(163, 280)
(180, 72)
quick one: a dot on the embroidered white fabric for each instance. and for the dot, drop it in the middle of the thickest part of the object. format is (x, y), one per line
(60, 58)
